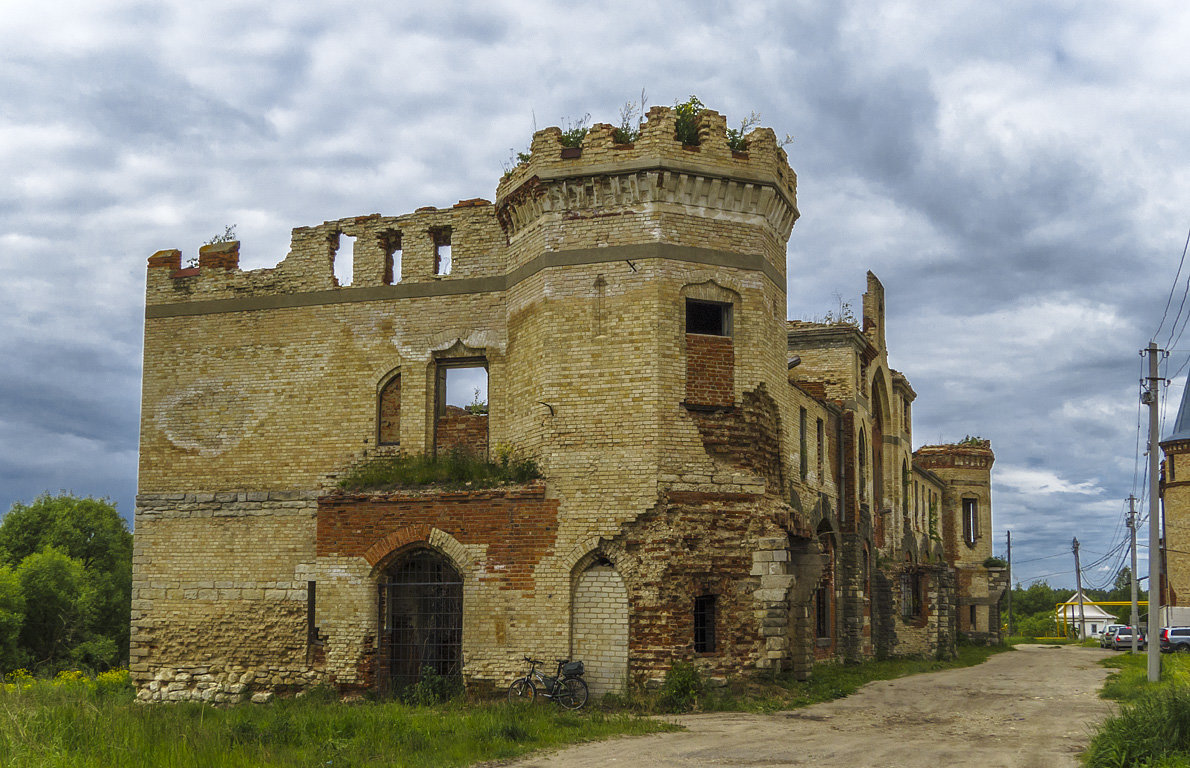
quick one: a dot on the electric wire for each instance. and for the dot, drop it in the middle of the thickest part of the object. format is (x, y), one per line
(1173, 287)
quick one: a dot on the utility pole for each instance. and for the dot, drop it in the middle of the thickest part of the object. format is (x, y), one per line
(1150, 397)
(1078, 584)
(1135, 617)
(1010, 583)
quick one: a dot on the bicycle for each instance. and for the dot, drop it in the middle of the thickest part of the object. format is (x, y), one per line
(567, 688)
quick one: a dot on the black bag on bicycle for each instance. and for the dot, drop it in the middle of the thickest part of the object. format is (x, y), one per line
(572, 669)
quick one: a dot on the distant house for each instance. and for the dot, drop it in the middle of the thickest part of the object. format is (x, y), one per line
(1094, 618)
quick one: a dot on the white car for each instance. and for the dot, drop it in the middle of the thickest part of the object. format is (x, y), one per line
(1108, 631)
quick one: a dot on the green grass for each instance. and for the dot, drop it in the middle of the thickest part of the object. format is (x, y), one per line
(1152, 729)
(827, 682)
(457, 469)
(78, 725)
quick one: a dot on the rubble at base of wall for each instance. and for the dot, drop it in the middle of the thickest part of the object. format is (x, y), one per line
(216, 684)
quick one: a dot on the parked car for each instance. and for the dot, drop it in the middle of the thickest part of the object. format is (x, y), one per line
(1108, 631)
(1175, 639)
(1122, 639)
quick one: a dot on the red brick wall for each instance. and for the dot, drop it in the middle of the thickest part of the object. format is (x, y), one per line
(460, 428)
(710, 370)
(519, 525)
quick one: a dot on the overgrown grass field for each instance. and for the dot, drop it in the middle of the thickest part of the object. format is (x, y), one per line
(78, 723)
(96, 723)
(1152, 729)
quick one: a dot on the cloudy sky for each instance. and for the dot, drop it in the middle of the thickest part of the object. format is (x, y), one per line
(1014, 172)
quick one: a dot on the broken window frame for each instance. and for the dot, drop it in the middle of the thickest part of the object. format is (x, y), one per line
(443, 260)
(390, 243)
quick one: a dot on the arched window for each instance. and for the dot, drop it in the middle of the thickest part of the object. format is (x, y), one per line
(389, 432)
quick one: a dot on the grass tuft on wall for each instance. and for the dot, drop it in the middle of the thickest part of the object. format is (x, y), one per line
(456, 469)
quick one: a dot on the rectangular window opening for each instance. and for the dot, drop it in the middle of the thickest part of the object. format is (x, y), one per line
(311, 627)
(461, 407)
(442, 256)
(822, 612)
(804, 467)
(344, 260)
(910, 594)
(463, 389)
(970, 520)
(704, 624)
(709, 318)
(820, 452)
(391, 242)
(973, 617)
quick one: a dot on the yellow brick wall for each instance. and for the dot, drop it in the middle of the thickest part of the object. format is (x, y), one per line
(599, 632)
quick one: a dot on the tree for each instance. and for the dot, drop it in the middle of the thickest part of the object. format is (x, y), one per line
(12, 617)
(53, 585)
(73, 557)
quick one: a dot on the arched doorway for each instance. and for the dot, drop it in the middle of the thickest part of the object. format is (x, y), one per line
(421, 620)
(599, 626)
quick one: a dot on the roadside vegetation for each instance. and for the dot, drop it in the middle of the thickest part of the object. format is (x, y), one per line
(1033, 607)
(1152, 729)
(77, 722)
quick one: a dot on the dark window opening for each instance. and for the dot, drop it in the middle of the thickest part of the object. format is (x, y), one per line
(822, 612)
(442, 255)
(804, 467)
(421, 622)
(910, 594)
(863, 475)
(905, 491)
(970, 520)
(391, 242)
(311, 627)
(704, 624)
(820, 453)
(973, 622)
(710, 318)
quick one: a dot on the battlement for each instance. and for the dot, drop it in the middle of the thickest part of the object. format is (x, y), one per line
(655, 168)
(717, 205)
(972, 453)
(389, 255)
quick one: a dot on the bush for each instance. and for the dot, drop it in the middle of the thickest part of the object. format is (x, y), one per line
(682, 688)
(686, 125)
(1153, 729)
(432, 688)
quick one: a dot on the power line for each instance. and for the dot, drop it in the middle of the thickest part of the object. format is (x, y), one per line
(1173, 286)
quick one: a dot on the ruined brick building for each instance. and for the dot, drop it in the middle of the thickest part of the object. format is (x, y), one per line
(720, 485)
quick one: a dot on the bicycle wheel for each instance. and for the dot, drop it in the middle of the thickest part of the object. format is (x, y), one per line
(572, 693)
(522, 691)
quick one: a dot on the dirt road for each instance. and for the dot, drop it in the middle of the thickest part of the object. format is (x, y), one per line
(1030, 708)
